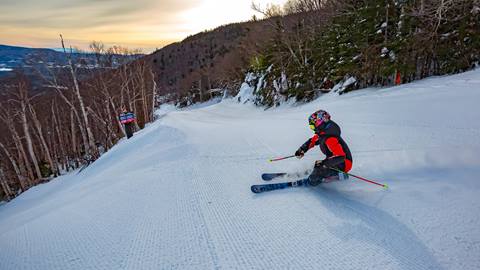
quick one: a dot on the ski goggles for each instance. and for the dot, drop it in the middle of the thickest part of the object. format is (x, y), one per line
(315, 123)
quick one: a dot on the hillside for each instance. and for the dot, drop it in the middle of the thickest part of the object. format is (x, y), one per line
(14, 56)
(31, 61)
(209, 60)
(177, 195)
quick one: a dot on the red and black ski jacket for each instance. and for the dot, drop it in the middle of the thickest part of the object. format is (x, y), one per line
(331, 144)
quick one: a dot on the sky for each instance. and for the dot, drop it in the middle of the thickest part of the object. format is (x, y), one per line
(143, 24)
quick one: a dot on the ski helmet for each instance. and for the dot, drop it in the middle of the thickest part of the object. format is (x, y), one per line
(317, 119)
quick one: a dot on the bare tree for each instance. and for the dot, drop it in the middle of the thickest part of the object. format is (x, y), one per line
(62, 90)
(61, 153)
(90, 146)
(154, 95)
(271, 10)
(21, 180)
(5, 187)
(75, 145)
(23, 99)
(89, 112)
(303, 6)
(43, 142)
(23, 162)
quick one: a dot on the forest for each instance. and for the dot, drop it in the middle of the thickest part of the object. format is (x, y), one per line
(356, 44)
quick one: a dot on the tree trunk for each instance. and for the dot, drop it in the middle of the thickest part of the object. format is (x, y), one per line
(90, 147)
(154, 94)
(109, 124)
(6, 189)
(23, 100)
(120, 126)
(20, 177)
(73, 137)
(43, 142)
(146, 113)
(23, 162)
(83, 133)
(29, 141)
(22, 156)
(62, 153)
(387, 7)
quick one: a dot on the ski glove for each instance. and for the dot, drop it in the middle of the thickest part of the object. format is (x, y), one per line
(299, 153)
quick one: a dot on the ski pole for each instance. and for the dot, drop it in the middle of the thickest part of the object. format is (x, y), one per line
(385, 186)
(281, 158)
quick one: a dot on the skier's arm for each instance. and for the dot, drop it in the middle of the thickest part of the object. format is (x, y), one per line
(310, 143)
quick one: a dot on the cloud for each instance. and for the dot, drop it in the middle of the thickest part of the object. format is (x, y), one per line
(85, 13)
(87, 19)
(123, 22)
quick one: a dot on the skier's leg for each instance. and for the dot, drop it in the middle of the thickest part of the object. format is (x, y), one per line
(318, 174)
(129, 130)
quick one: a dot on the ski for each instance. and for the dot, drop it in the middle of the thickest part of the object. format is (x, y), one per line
(275, 186)
(271, 176)
(302, 182)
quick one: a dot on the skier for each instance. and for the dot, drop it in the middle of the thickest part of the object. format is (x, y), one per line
(327, 136)
(127, 118)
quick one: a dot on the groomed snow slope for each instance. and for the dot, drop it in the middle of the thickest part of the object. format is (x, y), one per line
(177, 195)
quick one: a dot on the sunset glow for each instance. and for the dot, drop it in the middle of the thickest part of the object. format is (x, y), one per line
(145, 24)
